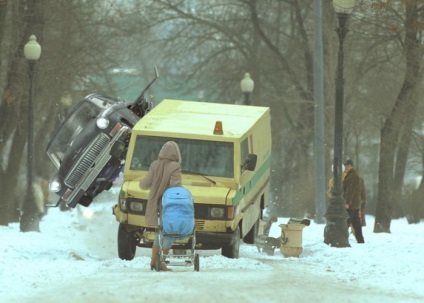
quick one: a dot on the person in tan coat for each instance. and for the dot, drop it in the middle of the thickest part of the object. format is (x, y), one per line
(165, 172)
(331, 182)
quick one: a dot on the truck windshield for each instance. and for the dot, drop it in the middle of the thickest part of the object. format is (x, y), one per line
(209, 158)
(81, 115)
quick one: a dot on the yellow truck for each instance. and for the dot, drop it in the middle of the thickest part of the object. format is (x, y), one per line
(226, 157)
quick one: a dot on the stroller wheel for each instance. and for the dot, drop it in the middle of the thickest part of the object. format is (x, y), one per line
(196, 262)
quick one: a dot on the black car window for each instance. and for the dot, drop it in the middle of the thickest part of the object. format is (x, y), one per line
(83, 113)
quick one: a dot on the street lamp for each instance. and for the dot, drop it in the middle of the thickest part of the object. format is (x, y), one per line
(29, 219)
(247, 85)
(336, 231)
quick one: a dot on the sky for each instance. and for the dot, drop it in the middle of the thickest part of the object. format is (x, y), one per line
(74, 259)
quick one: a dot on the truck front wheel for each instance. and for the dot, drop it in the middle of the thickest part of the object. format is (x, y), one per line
(232, 251)
(127, 243)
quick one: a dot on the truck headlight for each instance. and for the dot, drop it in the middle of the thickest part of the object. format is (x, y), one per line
(216, 212)
(55, 186)
(102, 123)
(136, 206)
(123, 204)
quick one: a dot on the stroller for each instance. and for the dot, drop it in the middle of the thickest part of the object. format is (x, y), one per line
(177, 224)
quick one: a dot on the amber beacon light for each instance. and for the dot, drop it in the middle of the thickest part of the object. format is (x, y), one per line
(218, 128)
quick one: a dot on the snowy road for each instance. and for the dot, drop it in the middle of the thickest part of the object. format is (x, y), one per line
(278, 284)
(74, 259)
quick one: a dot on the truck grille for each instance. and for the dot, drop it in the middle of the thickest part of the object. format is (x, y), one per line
(200, 225)
(87, 160)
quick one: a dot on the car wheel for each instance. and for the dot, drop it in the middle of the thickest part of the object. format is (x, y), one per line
(117, 150)
(85, 200)
(63, 206)
(108, 185)
(232, 251)
(127, 243)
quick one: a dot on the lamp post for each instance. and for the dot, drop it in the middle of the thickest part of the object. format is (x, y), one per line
(247, 85)
(29, 220)
(336, 231)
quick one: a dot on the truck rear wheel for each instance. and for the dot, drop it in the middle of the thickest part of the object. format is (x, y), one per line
(252, 234)
(127, 243)
(232, 251)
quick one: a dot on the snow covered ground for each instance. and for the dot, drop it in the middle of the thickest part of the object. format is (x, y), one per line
(74, 259)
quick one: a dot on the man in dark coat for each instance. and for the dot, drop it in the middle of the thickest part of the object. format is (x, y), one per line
(352, 188)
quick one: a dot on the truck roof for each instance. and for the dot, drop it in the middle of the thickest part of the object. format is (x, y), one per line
(198, 118)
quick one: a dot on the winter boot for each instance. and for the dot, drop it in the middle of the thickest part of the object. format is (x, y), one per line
(155, 256)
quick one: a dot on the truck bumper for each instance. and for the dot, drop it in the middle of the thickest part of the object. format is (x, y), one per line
(203, 241)
(206, 240)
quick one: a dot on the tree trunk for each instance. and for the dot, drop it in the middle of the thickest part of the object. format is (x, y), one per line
(402, 110)
(298, 163)
(415, 204)
(401, 160)
(13, 124)
(3, 11)
(10, 130)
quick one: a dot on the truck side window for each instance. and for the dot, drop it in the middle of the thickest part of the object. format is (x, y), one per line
(244, 150)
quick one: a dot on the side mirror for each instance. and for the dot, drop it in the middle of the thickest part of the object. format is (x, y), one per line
(250, 162)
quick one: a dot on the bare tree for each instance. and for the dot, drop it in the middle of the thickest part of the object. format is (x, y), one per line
(211, 44)
(80, 43)
(13, 124)
(397, 124)
(203, 49)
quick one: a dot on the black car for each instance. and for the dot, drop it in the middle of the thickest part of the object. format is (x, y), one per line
(89, 148)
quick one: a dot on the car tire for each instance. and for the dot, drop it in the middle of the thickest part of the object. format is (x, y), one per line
(118, 150)
(127, 243)
(63, 206)
(85, 200)
(232, 251)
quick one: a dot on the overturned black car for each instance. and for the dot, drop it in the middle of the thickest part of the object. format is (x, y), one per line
(89, 148)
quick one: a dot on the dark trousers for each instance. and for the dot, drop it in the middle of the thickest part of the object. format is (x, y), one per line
(356, 224)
